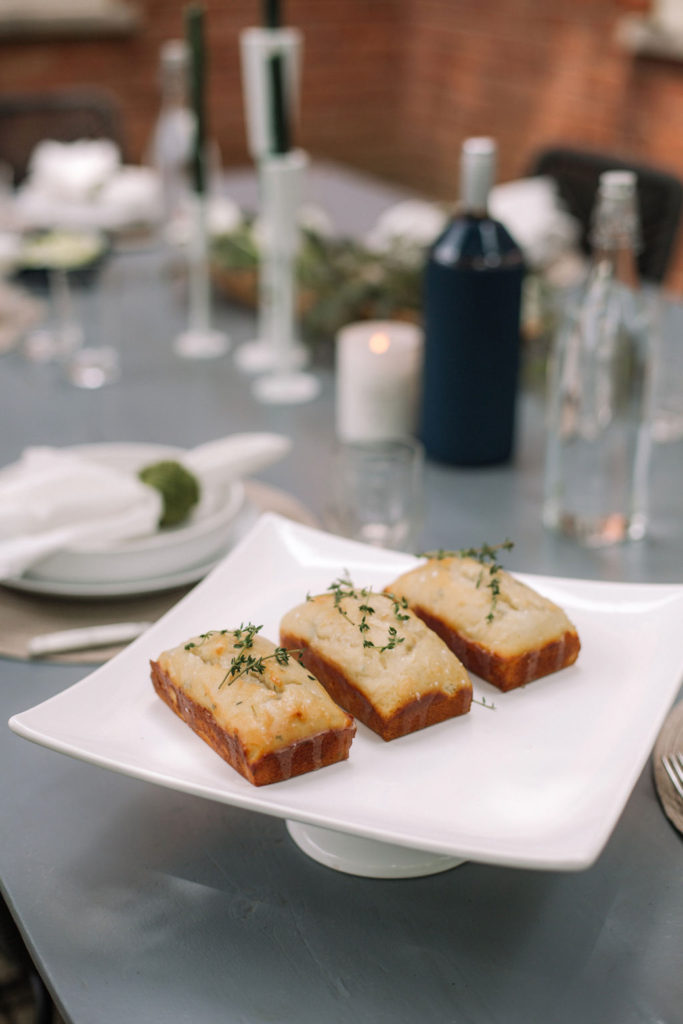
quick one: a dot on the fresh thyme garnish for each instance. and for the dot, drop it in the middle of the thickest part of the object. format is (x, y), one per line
(246, 664)
(486, 553)
(484, 703)
(243, 663)
(487, 556)
(205, 636)
(343, 587)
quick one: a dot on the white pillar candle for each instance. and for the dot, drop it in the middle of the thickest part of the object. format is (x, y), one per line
(378, 378)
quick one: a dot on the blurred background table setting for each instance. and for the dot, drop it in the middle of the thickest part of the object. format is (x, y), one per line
(230, 287)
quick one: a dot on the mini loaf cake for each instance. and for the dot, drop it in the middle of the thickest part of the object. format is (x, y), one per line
(501, 629)
(254, 704)
(377, 660)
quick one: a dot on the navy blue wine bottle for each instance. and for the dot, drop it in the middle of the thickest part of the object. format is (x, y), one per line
(472, 300)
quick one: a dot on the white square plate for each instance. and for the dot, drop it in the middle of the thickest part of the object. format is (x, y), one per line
(539, 782)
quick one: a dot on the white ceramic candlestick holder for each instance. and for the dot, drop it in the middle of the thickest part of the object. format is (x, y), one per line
(259, 355)
(258, 47)
(201, 340)
(285, 384)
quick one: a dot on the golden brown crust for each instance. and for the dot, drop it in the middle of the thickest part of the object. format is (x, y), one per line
(428, 709)
(508, 634)
(504, 672)
(297, 758)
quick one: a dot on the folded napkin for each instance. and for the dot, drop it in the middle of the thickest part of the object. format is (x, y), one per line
(531, 210)
(133, 195)
(217, 463)
(415, 222)
(83, 184)
(53, 499)
(73, 170)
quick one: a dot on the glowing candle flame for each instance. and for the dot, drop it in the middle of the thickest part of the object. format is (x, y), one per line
(379, 343)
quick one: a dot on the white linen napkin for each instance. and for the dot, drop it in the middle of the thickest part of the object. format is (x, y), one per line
(51, 499)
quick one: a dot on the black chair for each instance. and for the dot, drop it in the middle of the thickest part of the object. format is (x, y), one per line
(64, 115)
(660, 197)
(23, 991)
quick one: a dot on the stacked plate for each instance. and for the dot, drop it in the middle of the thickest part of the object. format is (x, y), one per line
(171, 557)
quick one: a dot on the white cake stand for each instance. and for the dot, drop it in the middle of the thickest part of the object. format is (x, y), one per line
(369, 858)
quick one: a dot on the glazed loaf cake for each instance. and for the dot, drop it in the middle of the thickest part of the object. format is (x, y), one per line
(501, 629)
(254, 704)
(378, 661)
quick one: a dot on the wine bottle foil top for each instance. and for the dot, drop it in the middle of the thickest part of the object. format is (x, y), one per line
(618, 183)
(477, 172)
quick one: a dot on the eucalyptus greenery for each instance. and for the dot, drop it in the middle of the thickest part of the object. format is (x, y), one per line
(339, 279)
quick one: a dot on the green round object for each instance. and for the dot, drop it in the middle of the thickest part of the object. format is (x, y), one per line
(178, 487)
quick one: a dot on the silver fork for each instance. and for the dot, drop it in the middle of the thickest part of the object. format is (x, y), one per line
(673, 766)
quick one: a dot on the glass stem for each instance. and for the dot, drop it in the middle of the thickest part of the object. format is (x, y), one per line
(67, 330)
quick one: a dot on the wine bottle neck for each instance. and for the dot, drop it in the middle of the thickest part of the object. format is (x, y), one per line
(620, 262)
(477, 175)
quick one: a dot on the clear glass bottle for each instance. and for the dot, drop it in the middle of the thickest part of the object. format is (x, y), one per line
(598, 439)
(472, 297)
(173, 137)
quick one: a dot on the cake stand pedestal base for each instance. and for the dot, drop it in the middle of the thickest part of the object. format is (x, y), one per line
(369, 858)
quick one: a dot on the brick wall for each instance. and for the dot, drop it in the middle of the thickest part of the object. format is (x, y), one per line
(393, 86)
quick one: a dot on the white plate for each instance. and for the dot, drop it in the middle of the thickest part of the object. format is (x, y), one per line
(174, 550)
(106, 588)
(539, 782)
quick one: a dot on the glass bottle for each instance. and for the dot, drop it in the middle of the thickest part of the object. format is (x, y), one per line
(173, 137)
(598, 439)
(472, 298)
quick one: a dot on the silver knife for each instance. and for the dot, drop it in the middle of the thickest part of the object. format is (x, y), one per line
(85, 638)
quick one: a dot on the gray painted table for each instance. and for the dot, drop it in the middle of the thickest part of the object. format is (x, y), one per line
(141, 904)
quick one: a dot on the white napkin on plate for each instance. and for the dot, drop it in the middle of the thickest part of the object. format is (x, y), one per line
(53, 499)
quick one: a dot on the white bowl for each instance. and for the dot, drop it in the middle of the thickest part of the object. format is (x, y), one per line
(205, 534)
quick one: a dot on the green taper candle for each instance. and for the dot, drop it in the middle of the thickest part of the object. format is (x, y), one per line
(194, 30)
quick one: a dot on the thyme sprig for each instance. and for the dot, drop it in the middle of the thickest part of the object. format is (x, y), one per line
(487, 556)
(486, 553)
(343, 587)
(484, 703)
(244, 664)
